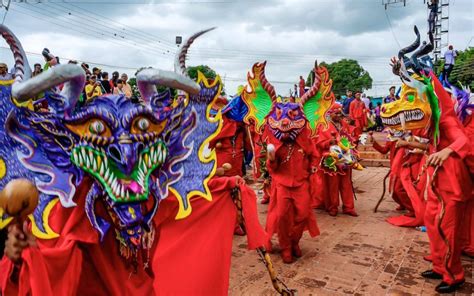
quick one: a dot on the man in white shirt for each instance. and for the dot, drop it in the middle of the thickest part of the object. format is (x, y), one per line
(449, 60)
(366, 101)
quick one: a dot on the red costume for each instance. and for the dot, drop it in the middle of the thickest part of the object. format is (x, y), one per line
(444, 209)
(357, 112)
(406, 183)
(289, 212)
(230, 144)
(333, 185)
(191, 256)
(468, 217)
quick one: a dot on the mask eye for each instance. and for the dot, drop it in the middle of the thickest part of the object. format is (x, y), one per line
(278, 113)
(143, 124)
(97, 127)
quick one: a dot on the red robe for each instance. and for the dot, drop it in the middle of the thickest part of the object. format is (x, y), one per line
(289, 212)
(333, 185)
(405, 168)
(190, 256)
(358, 113)
(454, 188)
(234, 141)
(468, 217)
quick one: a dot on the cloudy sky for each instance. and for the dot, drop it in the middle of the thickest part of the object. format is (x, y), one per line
(124, 35)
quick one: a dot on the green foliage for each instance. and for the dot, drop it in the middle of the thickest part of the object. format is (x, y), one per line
(346, 74)
(463, 71)
(206, 70)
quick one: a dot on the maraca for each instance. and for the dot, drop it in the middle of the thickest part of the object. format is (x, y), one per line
(225, 167)
(19, 198)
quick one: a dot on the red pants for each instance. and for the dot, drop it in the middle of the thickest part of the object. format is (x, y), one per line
(290, 214)
(468, 228)
(446, 255)
(400, 196)
(333, 185)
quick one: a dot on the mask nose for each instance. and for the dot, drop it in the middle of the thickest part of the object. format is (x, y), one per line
(124, 156)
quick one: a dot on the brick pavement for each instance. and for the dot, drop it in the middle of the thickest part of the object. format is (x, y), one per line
(352, 256)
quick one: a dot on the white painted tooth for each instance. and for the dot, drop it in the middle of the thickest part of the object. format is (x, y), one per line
(102, 169)
(107, 175)
(122, 191)
(94, 164)
(127, 195)
(88, 163)
(74, 156)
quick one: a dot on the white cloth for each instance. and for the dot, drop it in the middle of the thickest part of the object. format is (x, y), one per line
(366, 102)
(449, 57)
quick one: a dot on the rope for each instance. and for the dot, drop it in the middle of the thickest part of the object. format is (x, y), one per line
(278, 284)
(383, 192)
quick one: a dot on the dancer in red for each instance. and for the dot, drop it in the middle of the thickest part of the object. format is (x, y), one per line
(339, 181)
(358, 113)
(450, 186)
(291, 156)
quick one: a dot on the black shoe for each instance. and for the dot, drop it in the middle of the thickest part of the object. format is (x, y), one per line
(430, 274)
(444, 288)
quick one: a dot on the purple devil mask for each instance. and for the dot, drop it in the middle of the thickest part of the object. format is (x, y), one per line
(133, 153)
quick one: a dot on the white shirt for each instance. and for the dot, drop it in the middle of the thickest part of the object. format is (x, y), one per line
(366, 102)
(449, 57)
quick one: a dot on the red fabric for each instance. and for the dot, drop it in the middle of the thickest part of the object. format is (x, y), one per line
(289, 211)
(468, 216)
(234, 140)
(454, 186)
(302, 85)
(357, 112)
(332, 186)
(76, 261)
(410, 195)
(193, 255)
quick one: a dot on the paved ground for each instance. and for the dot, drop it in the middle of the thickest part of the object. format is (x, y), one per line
(360, 256)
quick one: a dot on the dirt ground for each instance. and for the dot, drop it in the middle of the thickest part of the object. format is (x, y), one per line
(353, 255)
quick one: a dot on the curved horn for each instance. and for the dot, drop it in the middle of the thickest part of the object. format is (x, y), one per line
(148, 78)
(22, 68)
(314, 88)
(267, 85)
(412, 46)
(72, 74)
(180, 60)
(423, 50)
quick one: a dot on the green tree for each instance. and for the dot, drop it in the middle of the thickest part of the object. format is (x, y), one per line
(346, 74)
(463, 71)
(206, 70)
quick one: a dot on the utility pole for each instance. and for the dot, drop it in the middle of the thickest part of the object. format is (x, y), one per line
(438, 21)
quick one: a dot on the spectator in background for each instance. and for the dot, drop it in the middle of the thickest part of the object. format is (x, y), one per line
(358, 113)
(97, 72)
(37, 69)
(347, 102)
(366, 101)
(4, 75)
(86, 68)
(378, 119)
(93, 89)
(302, 85)
(118, 90)
(449, 60)
(106, 83)
(391, 97)
(113, 81)
(127, 89)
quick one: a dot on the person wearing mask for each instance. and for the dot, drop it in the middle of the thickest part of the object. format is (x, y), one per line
(347, 102)
(449, 60)
(106, 83)
(93, 89)
(127, 89)
(391, 97)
